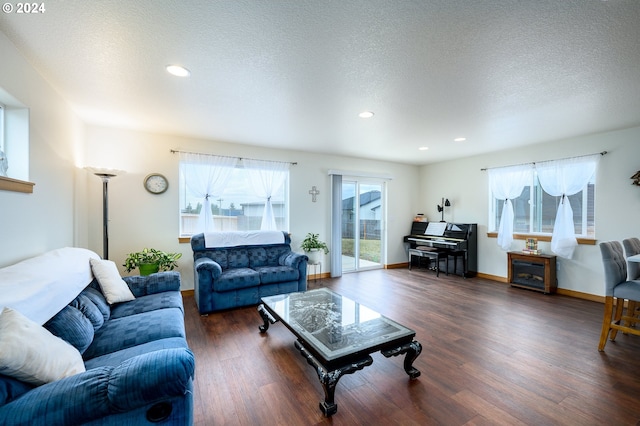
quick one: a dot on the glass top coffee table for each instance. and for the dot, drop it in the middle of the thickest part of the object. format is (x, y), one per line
(337, 335)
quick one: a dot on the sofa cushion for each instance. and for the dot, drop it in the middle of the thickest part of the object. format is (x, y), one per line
(152, 302)
(257, 257)
(11, 389)
(154, 283)
(237, 258)
(98, 299)
(132, 330)
(113, 287)
(73, 327)
(274, 254)
(116, 358)
(30, 353)
(220, 257)
(277, 274)
(234, 279)
(89, 310)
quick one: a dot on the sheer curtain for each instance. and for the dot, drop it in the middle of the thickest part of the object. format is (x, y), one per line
(507, 183)
(205, 177)
(564, 178)
(266, 179)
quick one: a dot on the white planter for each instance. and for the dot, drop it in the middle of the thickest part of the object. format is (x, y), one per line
(315, 256)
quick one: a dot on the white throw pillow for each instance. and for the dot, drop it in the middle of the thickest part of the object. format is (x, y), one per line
(113, 287)
(29, 352)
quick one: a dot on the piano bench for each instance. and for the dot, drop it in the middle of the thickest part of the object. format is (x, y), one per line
(433, 255)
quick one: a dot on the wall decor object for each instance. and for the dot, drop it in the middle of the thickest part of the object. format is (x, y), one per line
(156, 183)
(314, 193)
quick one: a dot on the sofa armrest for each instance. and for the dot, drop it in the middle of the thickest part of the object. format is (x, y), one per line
(204, 265)
(139, 382)
(154, 283)
(292, 259)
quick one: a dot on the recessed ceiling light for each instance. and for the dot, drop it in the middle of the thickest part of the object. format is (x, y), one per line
(178, 71)
(460, 139)
(423, 148)
(365, 114)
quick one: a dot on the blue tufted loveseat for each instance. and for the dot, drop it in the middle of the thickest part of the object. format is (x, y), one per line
(239, 275)
(139, 369)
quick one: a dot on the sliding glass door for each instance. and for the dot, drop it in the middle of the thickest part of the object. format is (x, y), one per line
(362, 223)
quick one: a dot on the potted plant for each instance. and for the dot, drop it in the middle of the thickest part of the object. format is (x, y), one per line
(150, 260)
(312, 246)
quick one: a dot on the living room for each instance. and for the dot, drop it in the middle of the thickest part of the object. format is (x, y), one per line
(65, 208)
(61, 145)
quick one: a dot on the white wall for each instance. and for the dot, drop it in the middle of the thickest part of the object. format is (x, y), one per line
(617, 201)
(49, 218)
(139, 219)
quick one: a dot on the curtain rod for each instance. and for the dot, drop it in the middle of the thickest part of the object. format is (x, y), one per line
(533, 162)
(173, 151)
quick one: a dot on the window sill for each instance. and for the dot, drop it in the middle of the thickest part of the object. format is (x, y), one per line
(586, 241)
(15, 185)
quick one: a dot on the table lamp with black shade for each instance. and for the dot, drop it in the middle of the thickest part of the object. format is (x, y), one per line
(445, 203)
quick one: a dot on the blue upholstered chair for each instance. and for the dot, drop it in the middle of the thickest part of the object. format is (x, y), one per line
(632, 248)
(617, 289)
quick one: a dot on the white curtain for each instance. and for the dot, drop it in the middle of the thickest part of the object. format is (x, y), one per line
(266, 179)
(564, 178)
(206, 177)
(507, 183)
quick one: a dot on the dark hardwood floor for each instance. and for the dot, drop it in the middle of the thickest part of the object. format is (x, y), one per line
(491, 355)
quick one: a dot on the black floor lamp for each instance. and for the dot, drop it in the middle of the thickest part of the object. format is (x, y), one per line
(105, 175)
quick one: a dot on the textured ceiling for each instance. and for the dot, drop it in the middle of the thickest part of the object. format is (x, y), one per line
(295, 74)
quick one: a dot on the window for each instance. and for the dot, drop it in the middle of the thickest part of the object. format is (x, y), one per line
(236, 207)
(14, 136)
(535, 210)
(2, 107)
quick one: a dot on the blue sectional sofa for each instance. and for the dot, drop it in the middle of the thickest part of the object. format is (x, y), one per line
(138, 367)
(252, 266)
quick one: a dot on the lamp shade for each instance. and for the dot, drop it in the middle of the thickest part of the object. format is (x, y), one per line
(101, 171)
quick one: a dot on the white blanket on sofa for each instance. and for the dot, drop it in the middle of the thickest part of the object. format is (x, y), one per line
(41, 286)
(240, 238)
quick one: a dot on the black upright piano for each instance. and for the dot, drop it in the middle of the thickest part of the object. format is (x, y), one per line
(457, 239)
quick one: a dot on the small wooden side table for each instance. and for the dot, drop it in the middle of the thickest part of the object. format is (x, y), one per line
(533, 271)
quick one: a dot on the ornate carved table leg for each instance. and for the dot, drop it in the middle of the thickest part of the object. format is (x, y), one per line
(266, 317)
(412, 350)
(329, 379)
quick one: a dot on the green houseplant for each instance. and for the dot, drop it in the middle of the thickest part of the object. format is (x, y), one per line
(150, 260)
(312, 246)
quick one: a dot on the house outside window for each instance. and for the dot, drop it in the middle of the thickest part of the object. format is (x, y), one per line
(535, 210)
(236, 208)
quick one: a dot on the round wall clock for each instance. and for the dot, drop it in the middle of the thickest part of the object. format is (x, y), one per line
(155, 183)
